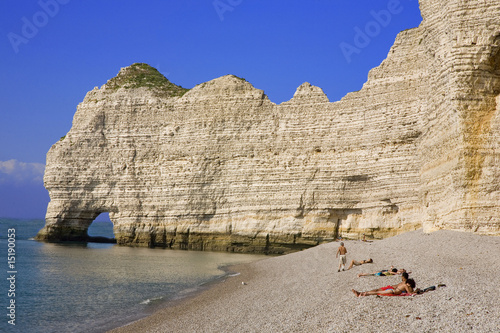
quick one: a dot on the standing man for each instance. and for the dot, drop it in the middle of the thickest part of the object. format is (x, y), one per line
(342, 251)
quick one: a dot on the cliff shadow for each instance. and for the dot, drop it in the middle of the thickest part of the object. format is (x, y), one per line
(340, 219)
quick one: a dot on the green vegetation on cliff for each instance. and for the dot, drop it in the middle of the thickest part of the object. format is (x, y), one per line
(142, 75)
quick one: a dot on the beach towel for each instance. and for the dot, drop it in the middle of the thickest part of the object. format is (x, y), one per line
(402, 294)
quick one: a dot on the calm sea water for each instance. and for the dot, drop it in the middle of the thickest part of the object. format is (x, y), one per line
(94, 287)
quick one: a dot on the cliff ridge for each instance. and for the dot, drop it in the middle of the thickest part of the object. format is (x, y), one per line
(220, 167)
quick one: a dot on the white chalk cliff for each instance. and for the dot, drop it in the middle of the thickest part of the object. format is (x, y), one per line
(221, 167)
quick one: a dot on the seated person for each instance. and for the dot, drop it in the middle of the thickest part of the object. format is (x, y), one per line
(405, 286)
(357, 263)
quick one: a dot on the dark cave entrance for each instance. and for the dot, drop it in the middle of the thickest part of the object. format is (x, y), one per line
(495, 65)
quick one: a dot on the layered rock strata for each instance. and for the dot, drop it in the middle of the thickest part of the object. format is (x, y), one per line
(221, 167)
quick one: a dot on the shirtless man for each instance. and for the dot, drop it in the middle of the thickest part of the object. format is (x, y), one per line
(405, 286)
(357, 263)
(385, 272)
(342, 251)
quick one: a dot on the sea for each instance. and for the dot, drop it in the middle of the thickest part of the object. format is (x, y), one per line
(94, 287)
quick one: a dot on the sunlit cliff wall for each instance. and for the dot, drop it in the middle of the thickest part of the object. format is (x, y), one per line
(221, 167)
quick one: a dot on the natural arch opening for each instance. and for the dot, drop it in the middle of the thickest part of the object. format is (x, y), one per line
(101, 229)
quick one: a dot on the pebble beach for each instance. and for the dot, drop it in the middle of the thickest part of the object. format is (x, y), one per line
(303, 292)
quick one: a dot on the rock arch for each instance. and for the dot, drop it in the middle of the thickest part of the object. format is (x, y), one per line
(221, 167)
(72, 228)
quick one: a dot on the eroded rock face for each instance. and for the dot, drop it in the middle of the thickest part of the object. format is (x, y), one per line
(220, 167)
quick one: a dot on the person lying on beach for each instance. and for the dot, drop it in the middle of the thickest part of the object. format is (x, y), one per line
(385, 272)
(405, 286)
(357, 263)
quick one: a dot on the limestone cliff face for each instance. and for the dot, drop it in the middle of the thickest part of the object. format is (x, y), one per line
(460, 174)
(221, 167)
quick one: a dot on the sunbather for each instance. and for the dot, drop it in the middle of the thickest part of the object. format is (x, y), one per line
(385, 272)
(357, 263)
(405, 286)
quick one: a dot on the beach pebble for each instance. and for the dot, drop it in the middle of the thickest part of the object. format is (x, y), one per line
(302, 292)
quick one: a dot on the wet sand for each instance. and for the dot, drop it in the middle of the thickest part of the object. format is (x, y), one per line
(303, 292)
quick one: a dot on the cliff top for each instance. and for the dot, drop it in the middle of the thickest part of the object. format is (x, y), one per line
(228, 86)
(142, 75)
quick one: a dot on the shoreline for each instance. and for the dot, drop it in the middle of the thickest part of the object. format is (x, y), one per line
(302, 291)
(222, 284)
(181, 298)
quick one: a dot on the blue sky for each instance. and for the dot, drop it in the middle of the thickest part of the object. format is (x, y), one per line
(55, 51)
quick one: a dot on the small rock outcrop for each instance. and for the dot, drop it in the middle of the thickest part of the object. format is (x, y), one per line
(221, 167)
